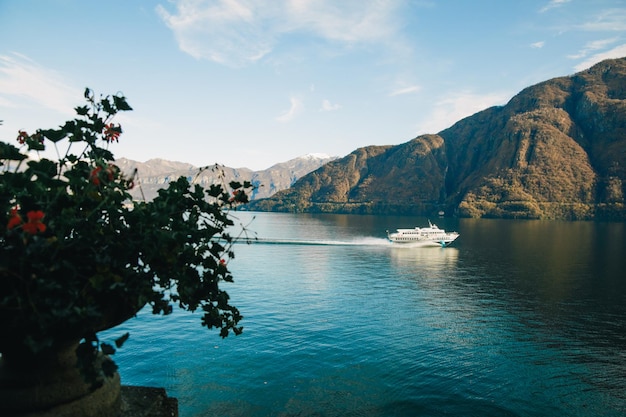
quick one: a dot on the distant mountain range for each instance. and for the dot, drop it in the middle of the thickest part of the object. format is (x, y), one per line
(557, 150)
(155, 174)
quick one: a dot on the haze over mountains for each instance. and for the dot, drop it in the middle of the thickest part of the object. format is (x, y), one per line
(557, 150)
(155, 174)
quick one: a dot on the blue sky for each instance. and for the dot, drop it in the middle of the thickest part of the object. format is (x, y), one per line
(249, 83)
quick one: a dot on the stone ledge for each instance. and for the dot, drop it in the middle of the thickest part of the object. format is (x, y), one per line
(147, 402)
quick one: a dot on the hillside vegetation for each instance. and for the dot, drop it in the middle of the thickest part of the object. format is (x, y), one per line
(557, 150)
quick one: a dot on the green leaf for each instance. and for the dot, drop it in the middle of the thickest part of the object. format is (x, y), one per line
(77, 136)
(82, 110)
(106, 105)
(35, 145)
(10, 152)
(69, 127)
(98, 125)
(107, 349)
(54, 135)
(44, 167)
(121, 340)
(214, 190)
(121, 103)
(101, 153)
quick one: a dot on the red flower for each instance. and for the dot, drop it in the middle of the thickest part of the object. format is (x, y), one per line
(21, 137)
(99, 174)
(14, 219)
(94, 175)
(34, 224)
(112, 132)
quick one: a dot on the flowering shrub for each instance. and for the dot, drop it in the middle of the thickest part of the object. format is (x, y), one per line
(78, 256)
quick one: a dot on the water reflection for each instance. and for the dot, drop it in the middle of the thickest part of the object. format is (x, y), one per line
(428, 258)
(555, 261)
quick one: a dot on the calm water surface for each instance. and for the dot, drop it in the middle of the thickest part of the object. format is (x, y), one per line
(517, 318)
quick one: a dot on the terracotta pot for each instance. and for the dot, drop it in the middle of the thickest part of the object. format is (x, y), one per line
(50, 384)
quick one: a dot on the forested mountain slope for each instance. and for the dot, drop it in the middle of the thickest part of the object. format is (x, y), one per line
(556, 150)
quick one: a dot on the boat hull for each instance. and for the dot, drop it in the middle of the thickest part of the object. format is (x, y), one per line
(423, 243)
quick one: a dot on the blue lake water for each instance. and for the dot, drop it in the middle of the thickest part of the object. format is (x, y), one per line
(517, 318)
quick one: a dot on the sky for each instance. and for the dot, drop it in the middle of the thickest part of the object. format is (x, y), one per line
(250, 83)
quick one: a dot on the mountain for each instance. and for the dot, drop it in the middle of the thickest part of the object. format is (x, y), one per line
(155, 174)
(557, 150)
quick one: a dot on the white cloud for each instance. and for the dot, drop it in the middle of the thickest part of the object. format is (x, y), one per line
(601, 44)
(538, 45)
(593, 46)
(22, 80)
(357, 21)
(610, 20)
(617, 52)
(328, 106)
(553, 4)
(238, 32)
(224, 32)
(405, 90)
(296, 107)
(451, 109)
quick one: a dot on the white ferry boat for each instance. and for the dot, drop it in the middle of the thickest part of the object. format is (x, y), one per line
(423, 236)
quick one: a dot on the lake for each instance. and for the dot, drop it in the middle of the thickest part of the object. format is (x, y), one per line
(516, 318)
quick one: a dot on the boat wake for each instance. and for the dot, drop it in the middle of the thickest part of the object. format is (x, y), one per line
(364, 241)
